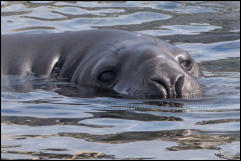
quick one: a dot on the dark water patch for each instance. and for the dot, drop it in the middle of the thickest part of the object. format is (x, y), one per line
(217, 121)
(187, 139)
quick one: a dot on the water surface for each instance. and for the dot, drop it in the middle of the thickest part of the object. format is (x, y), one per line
(40, 122)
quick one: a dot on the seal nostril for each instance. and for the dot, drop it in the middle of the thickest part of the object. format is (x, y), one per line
(168, 89)
(161, 85)
(178, 86)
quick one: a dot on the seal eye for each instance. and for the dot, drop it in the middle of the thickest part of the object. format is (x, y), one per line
(187, 64)
(106, 77)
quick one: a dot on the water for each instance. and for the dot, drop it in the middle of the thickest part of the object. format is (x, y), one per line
(39, 121)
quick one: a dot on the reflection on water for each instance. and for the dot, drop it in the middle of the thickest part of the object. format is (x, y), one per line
(45, 119)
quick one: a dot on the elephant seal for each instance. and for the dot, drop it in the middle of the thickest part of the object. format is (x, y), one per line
(130, 64)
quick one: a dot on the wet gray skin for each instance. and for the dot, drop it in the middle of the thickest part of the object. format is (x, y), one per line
(127, 63)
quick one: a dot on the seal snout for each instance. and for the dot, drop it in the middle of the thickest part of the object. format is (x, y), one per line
(168, 87)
